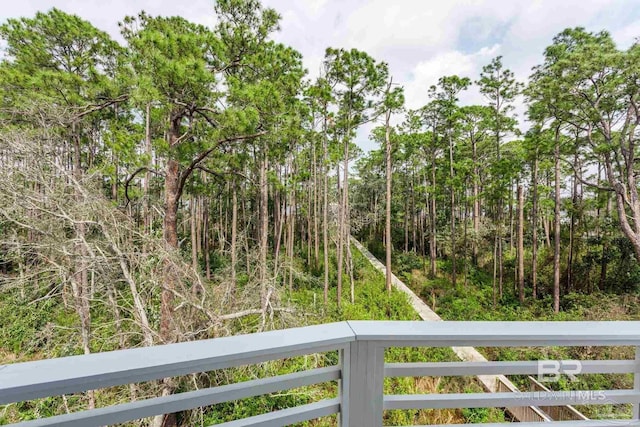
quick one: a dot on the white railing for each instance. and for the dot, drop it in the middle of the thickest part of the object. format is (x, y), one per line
(360, 372)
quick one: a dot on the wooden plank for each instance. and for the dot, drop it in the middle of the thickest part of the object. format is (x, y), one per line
(558, 413)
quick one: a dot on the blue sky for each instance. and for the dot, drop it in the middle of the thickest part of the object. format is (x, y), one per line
(420, 39)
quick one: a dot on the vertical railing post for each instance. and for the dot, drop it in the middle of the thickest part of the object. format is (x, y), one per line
(344, 386)
(361, 387)
(636, 385)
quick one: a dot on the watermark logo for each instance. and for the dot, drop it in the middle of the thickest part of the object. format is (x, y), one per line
(549, 371)
(582, 397)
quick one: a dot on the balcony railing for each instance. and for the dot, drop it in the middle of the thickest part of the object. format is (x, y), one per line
(360, 372)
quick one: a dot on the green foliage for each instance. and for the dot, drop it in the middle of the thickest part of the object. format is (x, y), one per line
(58, 58)
(21, 323)
(171, 59)
(358, 83)
(407, 262)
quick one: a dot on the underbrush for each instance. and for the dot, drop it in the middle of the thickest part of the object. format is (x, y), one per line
(473, 300)
(49, 328)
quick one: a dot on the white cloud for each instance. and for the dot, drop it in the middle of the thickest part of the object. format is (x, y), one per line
(315, 6)
(427, 73)
(627, 35)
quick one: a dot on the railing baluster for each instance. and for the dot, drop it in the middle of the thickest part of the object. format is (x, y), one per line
(636, 385)
(344, 386)
(363, 385)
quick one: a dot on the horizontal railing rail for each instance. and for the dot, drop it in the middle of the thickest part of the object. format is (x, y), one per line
(360, 372)
(525, 367)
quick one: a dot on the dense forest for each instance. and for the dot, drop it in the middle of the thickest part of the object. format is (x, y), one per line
(193, 182)
(553, 210)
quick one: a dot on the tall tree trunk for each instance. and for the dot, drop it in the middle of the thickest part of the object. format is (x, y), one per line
(114, 183)
(264, 232)
(325, 208)
(422, 225)
(426, 215)
(200, 221)
(194, 234)
(511, 218)
(546, 222)
(500, 268)
(476, 202)
(534, 230)
(500, 222)
(340, 249)
(556, 226)
(406, 223)
(521, 244)
(309, 223)
(343, 233)
(465, 258)
(279, 217)
(316, 208)
(279, 210)
(234, 231)
(387, 229)
(291, 231)
(495, 269)
(249, 227)
(453, 213)
(413, 214)
(339, 237)
(604, 259)
(146, 212)
(170, 234)
(206, 237)
(572, 224)
(373, 230)
(347, 228)
(432, 236)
